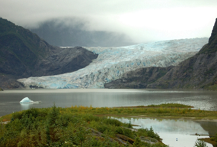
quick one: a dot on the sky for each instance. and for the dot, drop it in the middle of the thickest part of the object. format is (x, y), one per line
(141, 20)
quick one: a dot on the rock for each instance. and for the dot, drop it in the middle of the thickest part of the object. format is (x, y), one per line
(149, 140)
(125, 138)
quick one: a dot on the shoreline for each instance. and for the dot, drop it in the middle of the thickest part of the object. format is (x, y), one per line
(48, 90)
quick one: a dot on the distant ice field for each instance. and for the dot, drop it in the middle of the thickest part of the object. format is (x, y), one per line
(113, 62)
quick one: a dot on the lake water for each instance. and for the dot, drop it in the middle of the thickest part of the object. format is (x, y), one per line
(167, 129)
(176, 132)
(9, 99)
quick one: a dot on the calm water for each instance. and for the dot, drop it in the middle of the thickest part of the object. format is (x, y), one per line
(169, 130)
(9, 99)
(176, 132)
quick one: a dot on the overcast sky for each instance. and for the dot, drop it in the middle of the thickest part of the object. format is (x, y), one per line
(142, 20)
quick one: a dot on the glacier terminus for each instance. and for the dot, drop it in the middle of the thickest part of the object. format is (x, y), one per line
(113, 62)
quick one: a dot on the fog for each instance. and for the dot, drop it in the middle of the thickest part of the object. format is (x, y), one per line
(141, 20)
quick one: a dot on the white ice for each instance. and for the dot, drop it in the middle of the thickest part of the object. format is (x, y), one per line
(113, 62)
(26, 100)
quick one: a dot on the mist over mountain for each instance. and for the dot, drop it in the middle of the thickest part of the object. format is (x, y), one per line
(197, 72)
(70, 32)
(24, 54)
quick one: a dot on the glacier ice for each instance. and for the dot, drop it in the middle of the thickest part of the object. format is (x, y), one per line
(113, 62)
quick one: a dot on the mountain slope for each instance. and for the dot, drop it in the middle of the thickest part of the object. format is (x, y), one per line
(20, 49)
(199, 71)
(138, 78)
(24, 54)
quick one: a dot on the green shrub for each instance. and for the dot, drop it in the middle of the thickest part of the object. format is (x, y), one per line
(137, 142)
(119, 130)
(128, 132)
(152, 134)
(102, 128)
(64, 127)
(200, 143)
(89, 118)
(111, 121)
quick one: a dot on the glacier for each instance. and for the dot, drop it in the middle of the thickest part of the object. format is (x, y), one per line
(113, 62)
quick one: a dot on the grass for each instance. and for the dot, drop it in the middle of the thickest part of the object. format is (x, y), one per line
(210, 140)
(171, 105)
(163, 110)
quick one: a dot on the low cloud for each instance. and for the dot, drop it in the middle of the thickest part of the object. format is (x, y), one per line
(142, 20)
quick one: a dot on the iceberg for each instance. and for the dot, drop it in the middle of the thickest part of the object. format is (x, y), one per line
(113, 62)
(26, 100)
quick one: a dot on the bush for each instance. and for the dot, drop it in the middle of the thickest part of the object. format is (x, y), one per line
(128, 133)
(89, 118)
(111, 121)
(137, 142)
(152, 134)
(119, 130)
(102, 128)
(200, 143)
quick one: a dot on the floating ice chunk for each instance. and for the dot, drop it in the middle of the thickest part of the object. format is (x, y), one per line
(26, 100)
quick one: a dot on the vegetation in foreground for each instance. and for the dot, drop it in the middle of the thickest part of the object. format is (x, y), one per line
(88, 126)
(69, 127)
(1, 89)
(212, 140)
(166, 105)
(200, 143)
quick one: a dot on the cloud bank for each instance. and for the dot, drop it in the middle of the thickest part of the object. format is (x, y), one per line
(142, 20)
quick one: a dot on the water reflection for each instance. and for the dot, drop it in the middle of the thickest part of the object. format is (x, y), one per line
(175, 133)
(25, 106)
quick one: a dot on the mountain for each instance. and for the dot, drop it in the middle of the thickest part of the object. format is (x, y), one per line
(20, 49)
(57, 32)
(24, 54)
(113, 62)
(197, 72)
(138, 78)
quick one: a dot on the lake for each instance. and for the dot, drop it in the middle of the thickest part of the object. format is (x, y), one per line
(9, 99)
(183, 130)
(176, 132)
